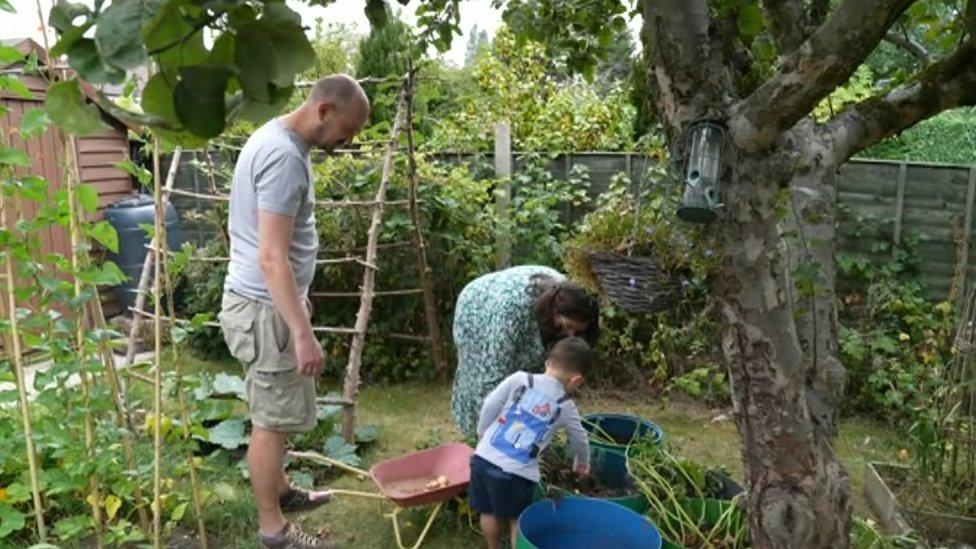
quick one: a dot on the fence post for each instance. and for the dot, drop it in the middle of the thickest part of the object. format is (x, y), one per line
(900, 201)
(503, 193)
(966, 231)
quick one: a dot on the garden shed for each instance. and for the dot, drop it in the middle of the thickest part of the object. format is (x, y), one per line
(97, 153)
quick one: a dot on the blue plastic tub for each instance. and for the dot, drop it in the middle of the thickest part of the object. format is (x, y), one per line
(609, 459)
(584, 523)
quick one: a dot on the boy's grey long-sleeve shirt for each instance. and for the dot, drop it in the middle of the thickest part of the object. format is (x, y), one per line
(503, 395)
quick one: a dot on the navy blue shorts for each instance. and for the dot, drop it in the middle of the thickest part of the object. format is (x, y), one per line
(495, 492)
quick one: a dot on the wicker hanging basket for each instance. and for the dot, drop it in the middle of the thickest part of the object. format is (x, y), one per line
(634, 283)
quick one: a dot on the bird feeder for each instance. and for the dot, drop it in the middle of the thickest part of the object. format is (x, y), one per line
(704, 165)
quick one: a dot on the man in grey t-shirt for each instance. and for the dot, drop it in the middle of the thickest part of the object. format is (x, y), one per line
(265, 314)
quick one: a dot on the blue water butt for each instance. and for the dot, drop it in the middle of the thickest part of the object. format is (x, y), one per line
(584, 523)
(128, 216)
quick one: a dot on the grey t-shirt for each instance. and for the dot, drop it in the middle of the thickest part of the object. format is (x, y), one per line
(274, 174)
(499, 401)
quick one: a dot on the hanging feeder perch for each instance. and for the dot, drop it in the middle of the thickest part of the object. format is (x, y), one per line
(704, 166)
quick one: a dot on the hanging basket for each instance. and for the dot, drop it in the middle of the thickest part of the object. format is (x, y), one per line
(633, 283)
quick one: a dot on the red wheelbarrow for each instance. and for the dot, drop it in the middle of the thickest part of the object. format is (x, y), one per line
(430, 476)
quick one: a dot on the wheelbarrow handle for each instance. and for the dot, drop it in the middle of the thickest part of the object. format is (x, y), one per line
(319, 458)
(356, 493)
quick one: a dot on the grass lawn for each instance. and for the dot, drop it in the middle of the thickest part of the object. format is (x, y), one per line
(416, 415)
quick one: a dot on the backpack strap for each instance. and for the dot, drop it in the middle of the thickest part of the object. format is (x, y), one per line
(531, 377)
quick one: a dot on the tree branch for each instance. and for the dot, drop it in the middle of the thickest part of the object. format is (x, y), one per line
(946, 84)
(788, 23)
(913, 47)
(820, 64)
(687, 71)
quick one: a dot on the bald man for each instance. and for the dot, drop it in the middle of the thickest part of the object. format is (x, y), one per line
(265, 314)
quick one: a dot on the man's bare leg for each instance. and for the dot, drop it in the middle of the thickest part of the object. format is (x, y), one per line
(264, 460)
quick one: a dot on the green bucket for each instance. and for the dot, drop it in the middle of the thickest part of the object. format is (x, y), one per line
(709, 511)
(608, 459)
(636, 502)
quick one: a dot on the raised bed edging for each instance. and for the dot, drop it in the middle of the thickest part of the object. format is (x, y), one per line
(897, 519)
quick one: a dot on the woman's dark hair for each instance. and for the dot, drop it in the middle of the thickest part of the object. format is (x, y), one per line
(569, 300)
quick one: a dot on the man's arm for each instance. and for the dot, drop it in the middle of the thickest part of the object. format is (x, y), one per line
(274, 239)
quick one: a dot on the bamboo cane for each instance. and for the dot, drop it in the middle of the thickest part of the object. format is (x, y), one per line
(158, 235)
(75, 236)
(184, 413)
(14, 349)
(420, 246)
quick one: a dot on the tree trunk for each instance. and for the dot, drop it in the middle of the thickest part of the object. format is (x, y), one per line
(798, 491)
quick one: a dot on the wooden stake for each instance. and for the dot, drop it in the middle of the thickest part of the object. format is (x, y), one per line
(159, 233)
(75, 230)
(351, 384)
(17, 360)
(420, 247)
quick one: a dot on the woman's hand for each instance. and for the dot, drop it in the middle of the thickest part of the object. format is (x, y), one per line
(581, 470)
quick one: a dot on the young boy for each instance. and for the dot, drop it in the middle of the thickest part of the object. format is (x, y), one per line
(518, 419)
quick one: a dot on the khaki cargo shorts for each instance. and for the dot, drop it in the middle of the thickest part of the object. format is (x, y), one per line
(280, 398)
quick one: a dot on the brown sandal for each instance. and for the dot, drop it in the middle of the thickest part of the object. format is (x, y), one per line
(300, 499)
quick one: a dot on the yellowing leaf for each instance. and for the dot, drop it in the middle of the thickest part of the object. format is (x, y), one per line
(3, 494)
(904, 337)
(112, 505)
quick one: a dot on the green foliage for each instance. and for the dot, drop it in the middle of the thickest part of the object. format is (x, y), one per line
(513, 84)
(384, 52)
(949, 137)
(67, 108)
(247, 73)
(577, 32)
(894, 343)
(672, 350)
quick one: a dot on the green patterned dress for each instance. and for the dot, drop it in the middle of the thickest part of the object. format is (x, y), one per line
(495, 335)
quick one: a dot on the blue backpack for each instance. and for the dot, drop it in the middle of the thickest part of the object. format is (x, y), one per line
(525, 424)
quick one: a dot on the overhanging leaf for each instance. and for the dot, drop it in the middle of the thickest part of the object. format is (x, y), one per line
(5, 6)
(255, 60)
(119, 31)
(64, 13)
(157, 98)
(67, 108)
(83, 57)
(199, 100)
(259, 113)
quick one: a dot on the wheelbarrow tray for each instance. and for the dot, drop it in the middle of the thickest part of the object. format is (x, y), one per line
(403, 480)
